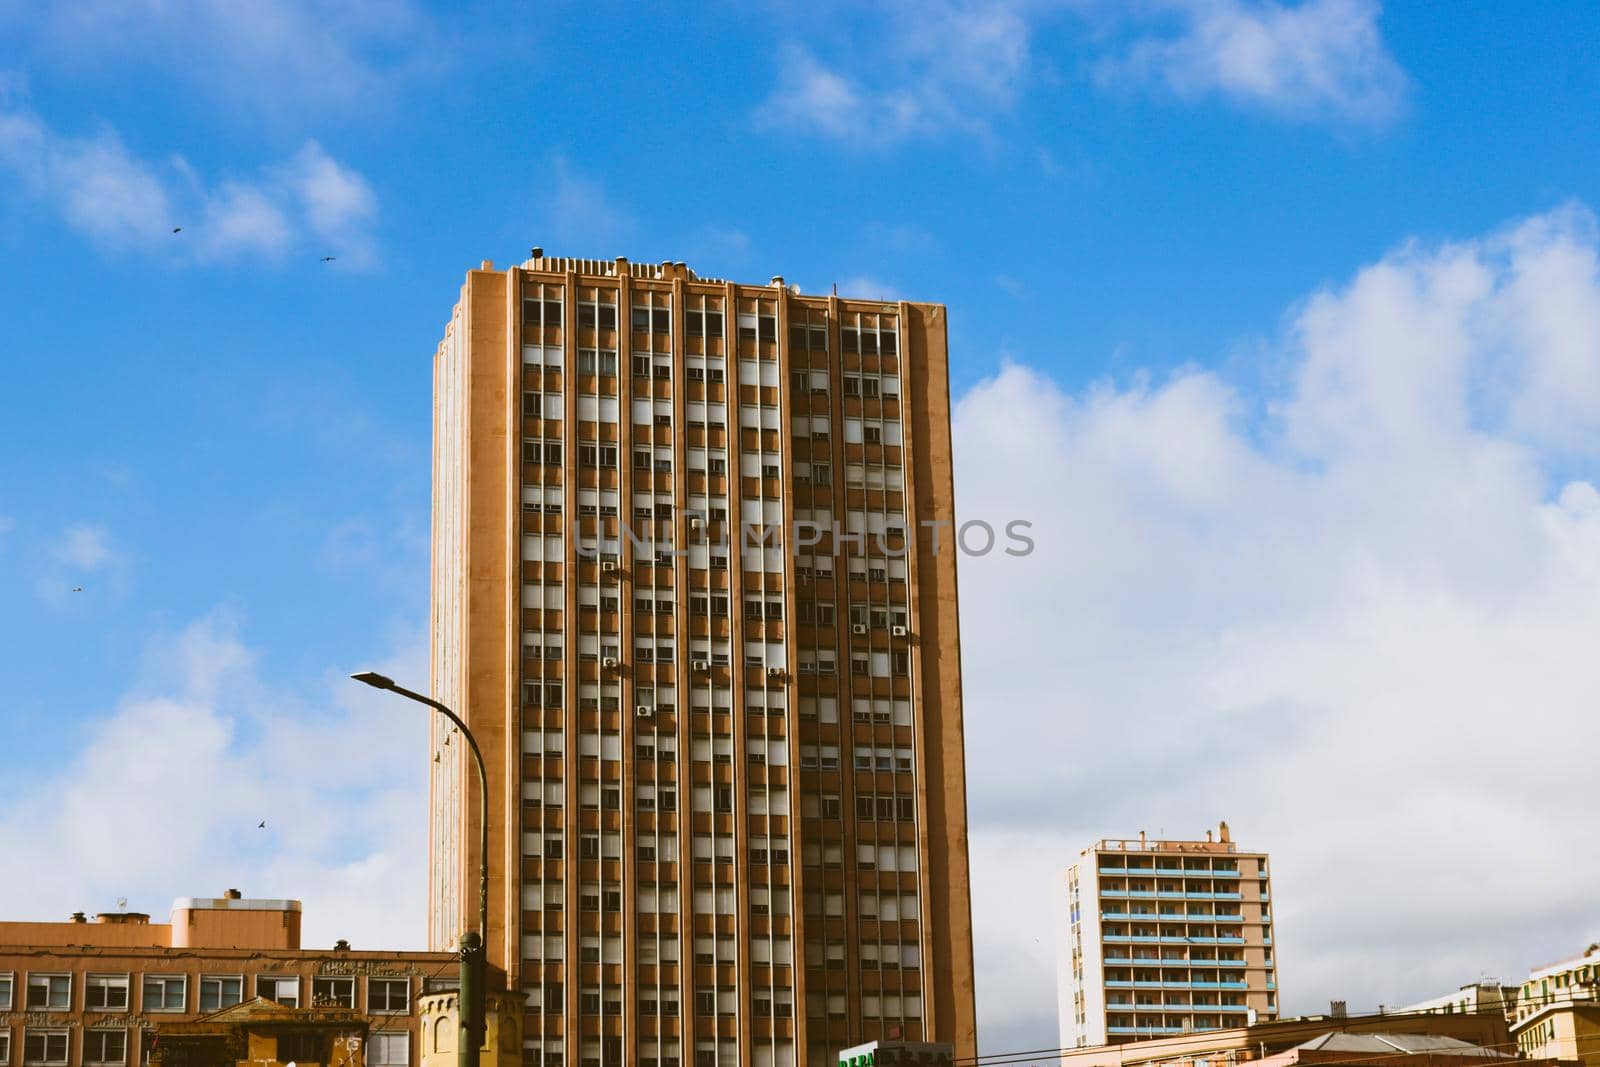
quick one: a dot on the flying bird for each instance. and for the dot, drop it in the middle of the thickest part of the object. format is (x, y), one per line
(77, 589)
(177, 229)
(329, 259)
(262, 825)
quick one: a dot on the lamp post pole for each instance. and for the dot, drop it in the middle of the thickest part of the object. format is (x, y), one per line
(474, 971)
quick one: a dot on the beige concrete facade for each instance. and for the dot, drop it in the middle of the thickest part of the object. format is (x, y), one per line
(1564, 1031)
(1558, 1011)
(728, 815)
(1470, 999)
(90, 992)
(1163, 937)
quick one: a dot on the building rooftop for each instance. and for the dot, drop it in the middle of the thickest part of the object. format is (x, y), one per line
(1592, 953)
(1219, 840)
(1408, 1044)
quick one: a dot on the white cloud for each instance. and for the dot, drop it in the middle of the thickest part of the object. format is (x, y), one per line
(1355, 618)
(310, 203)
(944, 67)
(338, 202)
(863, 287)
(203, 750)
(581, 211)
(96, 184)
(86, 548)
(273, 60)
(1314, 60)
(957, 67)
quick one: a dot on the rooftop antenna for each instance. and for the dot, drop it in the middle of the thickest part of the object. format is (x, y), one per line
(122, 904)
(835, 288)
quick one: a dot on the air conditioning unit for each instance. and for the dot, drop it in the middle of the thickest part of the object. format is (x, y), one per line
(858, 628)
(695, 522)
(610, 663)
(607, 566)
(644, 711)
(702, 665)
(899, 631)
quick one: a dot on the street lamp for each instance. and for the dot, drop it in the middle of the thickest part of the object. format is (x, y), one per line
(474, 977)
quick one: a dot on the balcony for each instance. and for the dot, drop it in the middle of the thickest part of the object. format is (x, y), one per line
(1167, 894)
(1120, 939)
(1171, 872)
(1134, 961)
(1147, 1030)
(1174, 984)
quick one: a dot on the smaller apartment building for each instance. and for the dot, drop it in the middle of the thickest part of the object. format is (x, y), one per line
(92, 992)
(1163, 937)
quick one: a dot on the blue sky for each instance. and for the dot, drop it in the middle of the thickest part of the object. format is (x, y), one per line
(1145, 218)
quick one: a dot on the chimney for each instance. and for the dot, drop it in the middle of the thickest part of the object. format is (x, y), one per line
(1208, 837)
(341, 945)
(79, 917)
(232, 894)
(535, 252)
(1222, 832)
(1141, 839)
(488, 264)
(777, 281)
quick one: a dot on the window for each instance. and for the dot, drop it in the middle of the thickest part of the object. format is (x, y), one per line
(49, 992)
(546, 313)
(389, 994)
(300, 1048)
(44, 1046)
(165, 992)
(705, 324)
(5, 1044)
(652, 320)
(535, 450)
(105, 992)
(5, 992)
(602, 315)
(602, 362)
(105, 1046)
(389, 1049)
(220, 991)
(282, 989)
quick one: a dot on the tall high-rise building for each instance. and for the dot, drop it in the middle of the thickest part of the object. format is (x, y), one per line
(1163, 937)
(685, 598)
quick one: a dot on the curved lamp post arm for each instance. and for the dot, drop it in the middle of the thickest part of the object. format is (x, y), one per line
(473, 948)
(483, 804)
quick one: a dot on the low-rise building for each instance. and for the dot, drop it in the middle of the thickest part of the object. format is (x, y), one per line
(1417, 1050)
(1566, 1031)
(263, 1033)
(1261, 1041)
(1558, 1010)
(1470, 999)
(95, 992)
(1562, 982)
